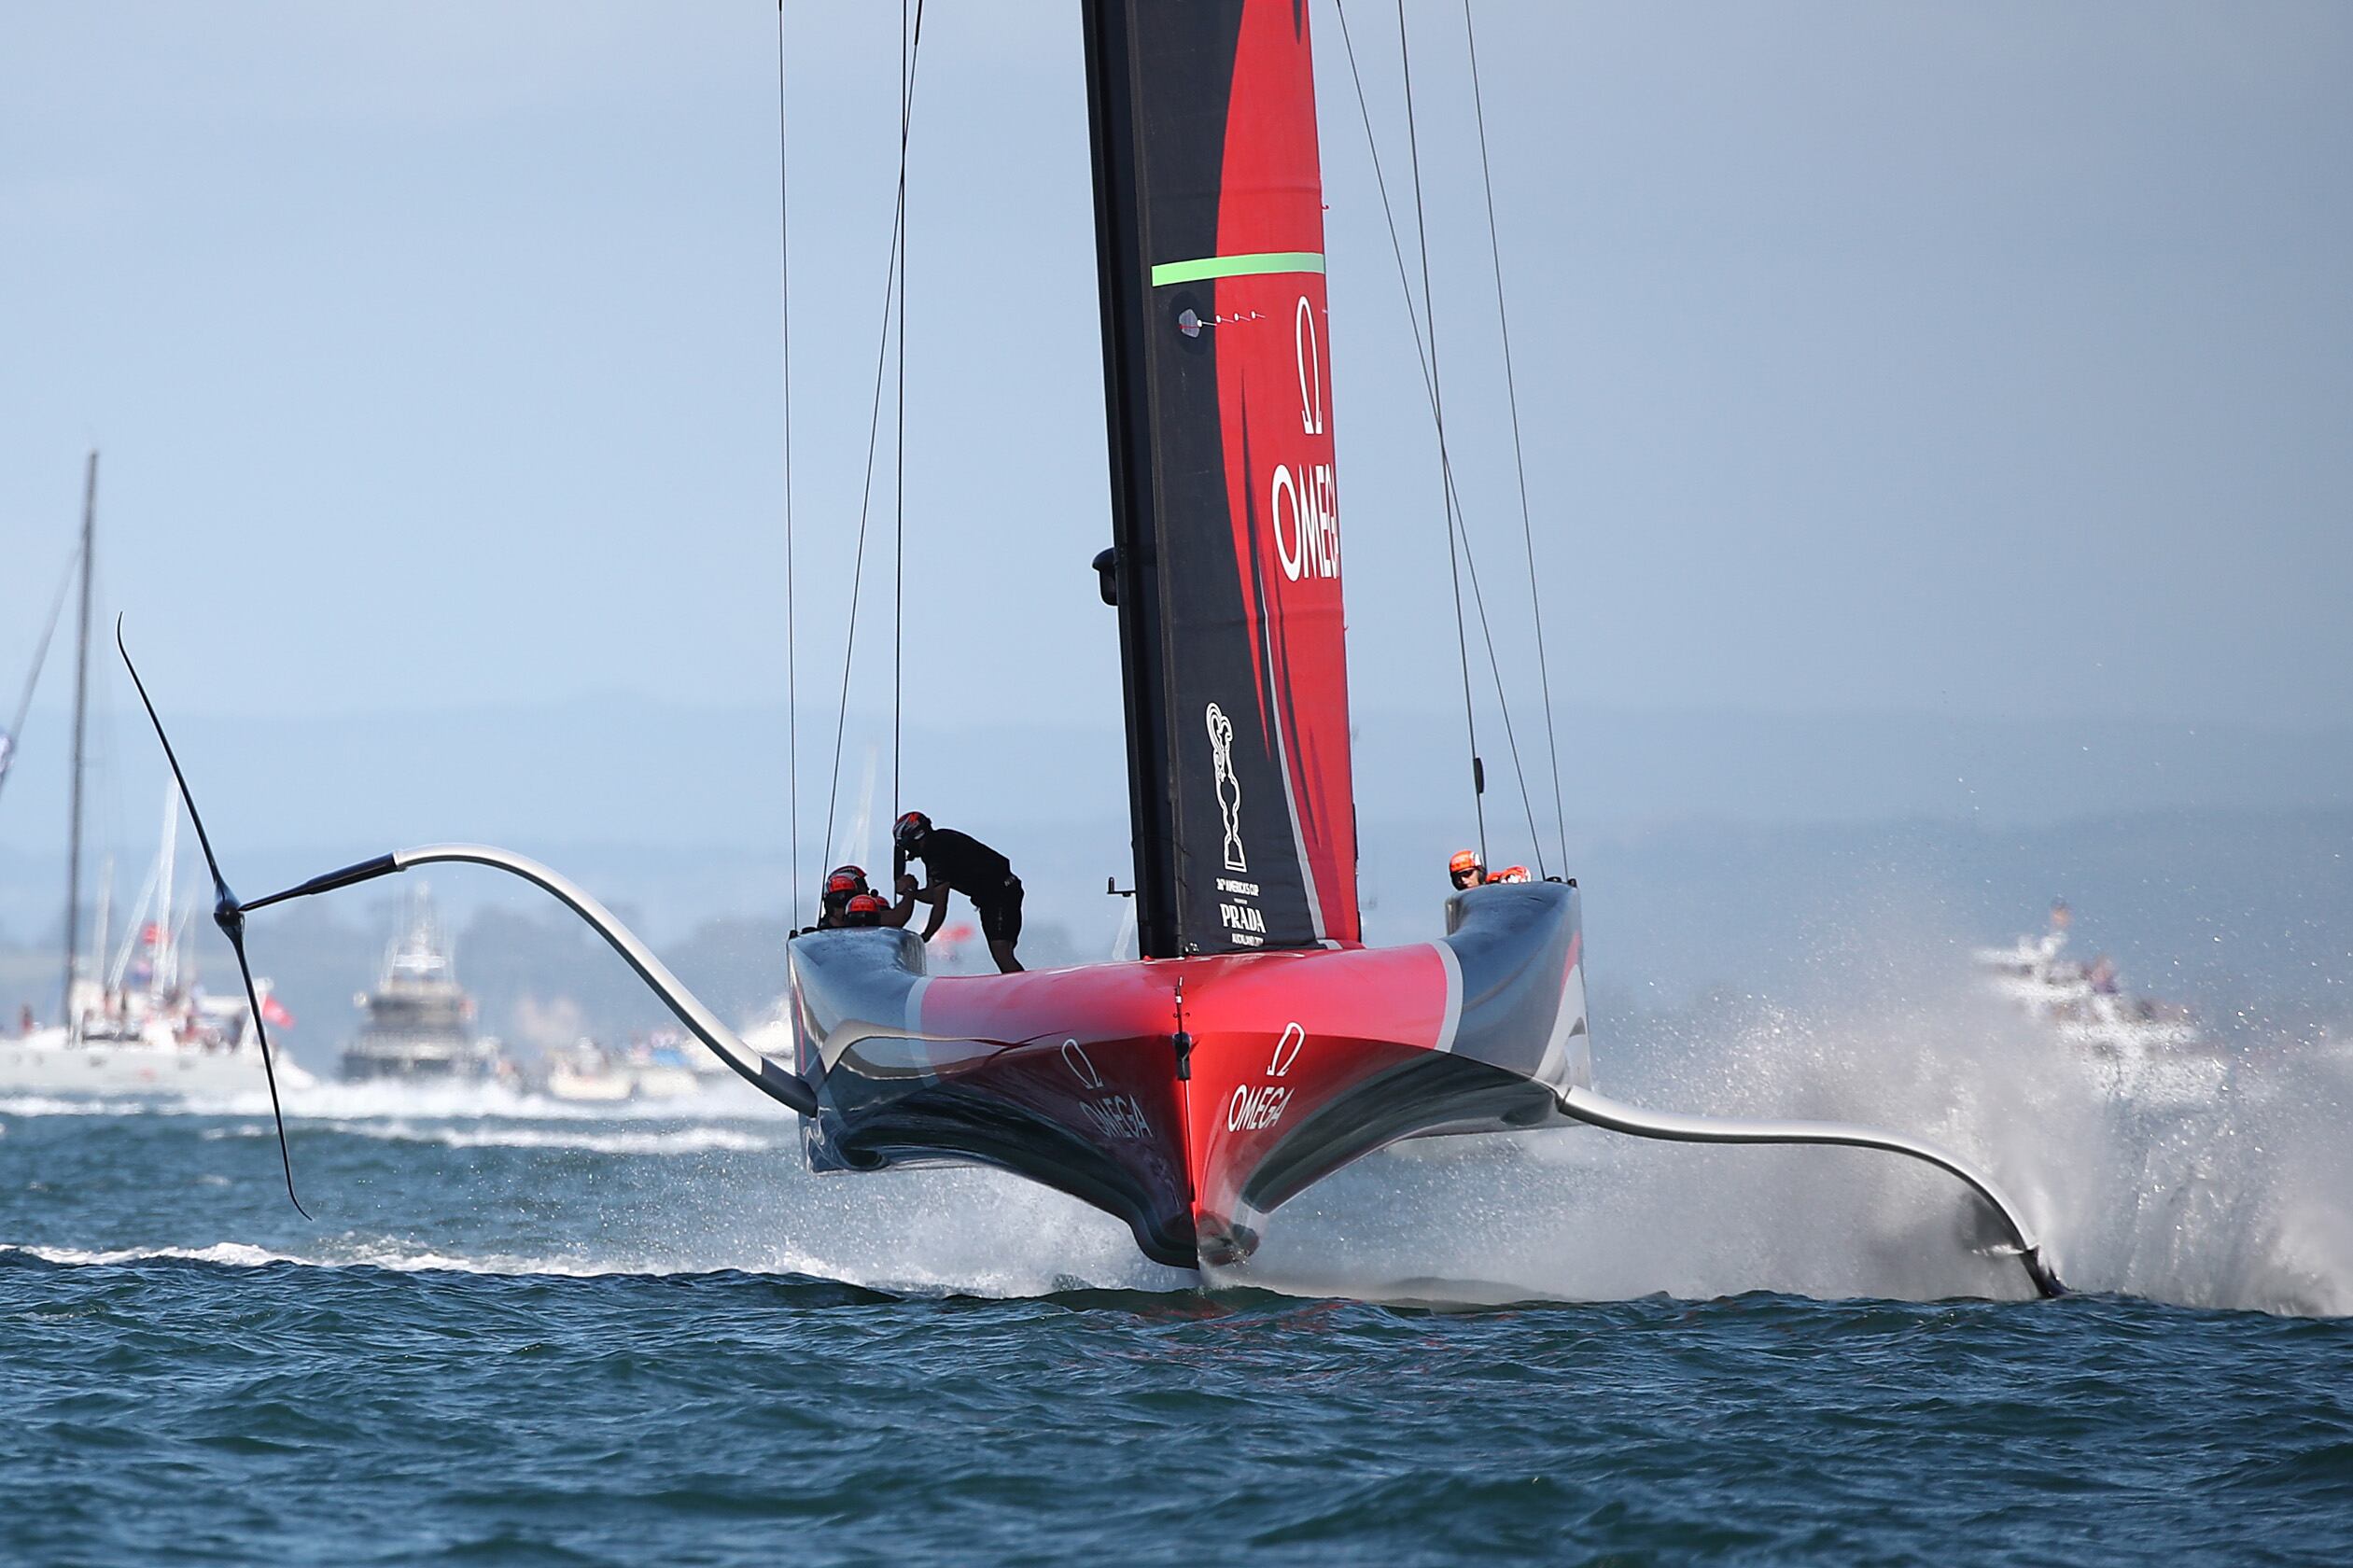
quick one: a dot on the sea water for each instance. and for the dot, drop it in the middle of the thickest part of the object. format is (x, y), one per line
(520, 1332)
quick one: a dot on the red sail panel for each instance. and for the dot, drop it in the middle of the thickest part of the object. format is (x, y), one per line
(1274, 399)
(1210, 216)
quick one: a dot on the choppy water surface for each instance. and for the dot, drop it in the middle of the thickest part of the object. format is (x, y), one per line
(517, 1333)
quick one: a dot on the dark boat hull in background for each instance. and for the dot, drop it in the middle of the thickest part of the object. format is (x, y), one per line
(1193, 1097)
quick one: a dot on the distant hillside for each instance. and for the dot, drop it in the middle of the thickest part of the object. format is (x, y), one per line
(625, 770)
(1746, 851)
(2247, 914)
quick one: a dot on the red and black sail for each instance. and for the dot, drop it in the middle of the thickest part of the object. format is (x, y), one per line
(1210, 223)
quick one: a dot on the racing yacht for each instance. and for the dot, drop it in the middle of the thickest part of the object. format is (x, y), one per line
(1258, 1043)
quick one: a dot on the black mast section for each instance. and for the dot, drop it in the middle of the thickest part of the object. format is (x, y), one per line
(81, 720)
(1122, 269)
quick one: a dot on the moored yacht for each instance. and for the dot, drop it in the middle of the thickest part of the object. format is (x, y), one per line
(142, 1041)
(145, 1025)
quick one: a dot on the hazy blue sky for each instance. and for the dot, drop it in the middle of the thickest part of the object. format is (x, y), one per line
(1970, 359)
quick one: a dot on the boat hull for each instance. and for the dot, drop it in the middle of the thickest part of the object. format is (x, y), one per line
(1193, 1097)
(44, 1065)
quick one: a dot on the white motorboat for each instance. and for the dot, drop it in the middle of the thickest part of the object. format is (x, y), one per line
(662, 1068)
(420, 1022)
(2133, 1047)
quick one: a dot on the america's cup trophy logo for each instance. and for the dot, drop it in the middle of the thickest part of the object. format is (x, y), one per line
(1229, 789)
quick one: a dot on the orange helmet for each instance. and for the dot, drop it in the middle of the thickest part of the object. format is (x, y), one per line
(1466, 869)
(863, 910)
(1512, 873)
(844, 883)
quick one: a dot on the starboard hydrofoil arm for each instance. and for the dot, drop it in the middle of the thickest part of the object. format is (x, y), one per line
(1615, 1116)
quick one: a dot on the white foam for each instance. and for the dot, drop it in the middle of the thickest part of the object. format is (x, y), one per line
(2245, 1202)
(934, 1249)
(239, 1254)
(235, 1254)
(340, 1102)
(66, 1105)
(672, 1141)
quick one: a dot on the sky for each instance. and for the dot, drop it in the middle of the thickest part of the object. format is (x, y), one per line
(1979, 360)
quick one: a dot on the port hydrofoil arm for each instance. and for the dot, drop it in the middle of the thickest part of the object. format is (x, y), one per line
(1603, 1112)
(776, 1082)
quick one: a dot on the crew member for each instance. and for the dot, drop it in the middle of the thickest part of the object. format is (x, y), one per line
(1467, 870)
(866, 909)
(1512, 873)
(842, 884)
(959, 863)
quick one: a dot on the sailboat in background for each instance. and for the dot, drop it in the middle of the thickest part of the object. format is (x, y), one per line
(1257, 1046)
(142, 1025)
(145, 1025)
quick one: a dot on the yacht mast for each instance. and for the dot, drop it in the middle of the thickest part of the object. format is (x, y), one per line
(164, 973)
(105, 921)
(1132, 569)
(81, 721)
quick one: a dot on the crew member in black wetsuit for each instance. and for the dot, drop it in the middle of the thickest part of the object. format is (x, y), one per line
(959, 863)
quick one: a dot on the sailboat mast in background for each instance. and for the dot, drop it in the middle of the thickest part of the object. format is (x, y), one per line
(81, 724)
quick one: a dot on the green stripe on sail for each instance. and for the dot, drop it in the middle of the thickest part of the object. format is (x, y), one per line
(1237, 266)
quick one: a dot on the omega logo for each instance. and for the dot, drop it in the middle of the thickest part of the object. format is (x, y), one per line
(1081, 1067)
(1303, 504)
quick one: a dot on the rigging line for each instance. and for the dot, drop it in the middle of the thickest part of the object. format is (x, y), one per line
(1437, 409)
(1470, 558)
(1458, 523)
(908, 44)
(791, 640)
(892, 282)
(1494, 664)
(14, 735)
(1519, 458)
